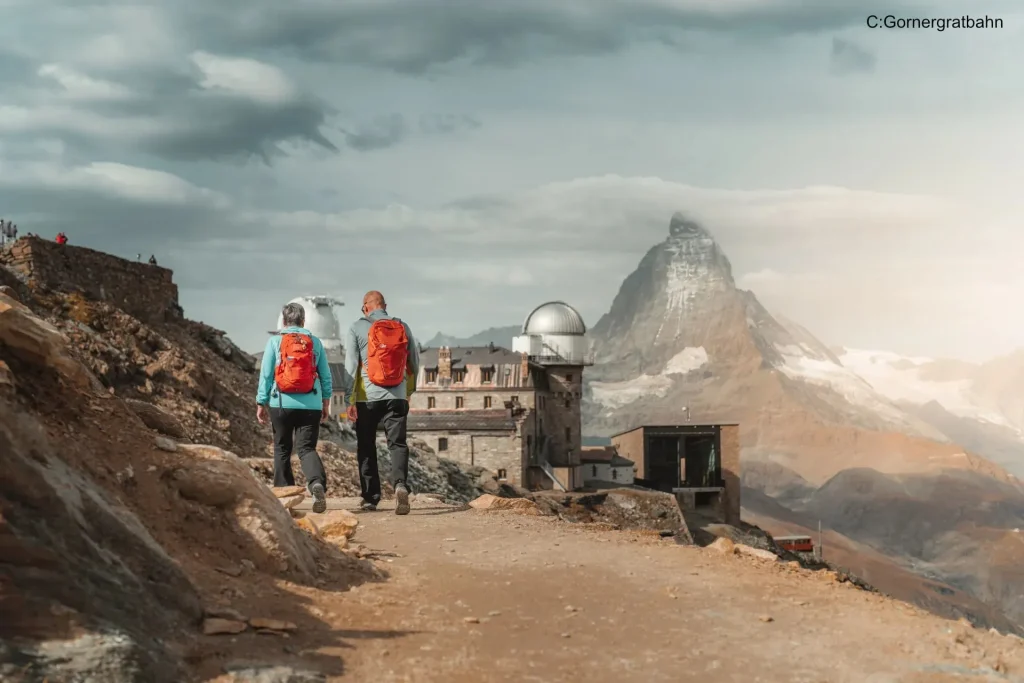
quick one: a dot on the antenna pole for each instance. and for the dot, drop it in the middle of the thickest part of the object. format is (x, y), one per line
(821, 550)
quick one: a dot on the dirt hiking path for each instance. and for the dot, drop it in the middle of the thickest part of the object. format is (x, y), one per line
(497, 596)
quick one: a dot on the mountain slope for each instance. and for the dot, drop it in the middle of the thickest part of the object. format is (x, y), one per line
(500, 336)
(679, 334)
(978, 406)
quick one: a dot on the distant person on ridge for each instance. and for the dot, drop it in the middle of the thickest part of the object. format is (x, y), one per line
(295, 393)
(61, 238)
(152, 260)
(381, 362)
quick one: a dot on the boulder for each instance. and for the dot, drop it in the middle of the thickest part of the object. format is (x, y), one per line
(220, 479)
(491, 502)
(156, 418)
(35, 341)
(335, 525)
(165, 444)
(307, 525)
(291, 501)
(288, 491)
(724, 546)
(768, 555)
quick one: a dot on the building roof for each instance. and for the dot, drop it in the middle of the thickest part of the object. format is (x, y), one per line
(472, 355)
(682, 426)
(337, 376)
(498, 420)
(555, 317)
(607, 455)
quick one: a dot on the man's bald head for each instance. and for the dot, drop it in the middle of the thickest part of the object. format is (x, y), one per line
(373, 300)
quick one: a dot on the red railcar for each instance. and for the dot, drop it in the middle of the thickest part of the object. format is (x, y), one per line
(795, 544)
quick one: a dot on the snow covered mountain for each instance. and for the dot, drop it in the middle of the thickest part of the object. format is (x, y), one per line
(979, 406)
(680, 335)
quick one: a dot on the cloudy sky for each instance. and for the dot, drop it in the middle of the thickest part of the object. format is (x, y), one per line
(474, 158)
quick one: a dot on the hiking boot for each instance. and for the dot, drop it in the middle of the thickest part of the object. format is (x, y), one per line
(401, 499)
(316, 489)
(367, 506)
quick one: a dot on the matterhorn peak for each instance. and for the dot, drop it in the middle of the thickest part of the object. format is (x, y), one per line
(684, 226)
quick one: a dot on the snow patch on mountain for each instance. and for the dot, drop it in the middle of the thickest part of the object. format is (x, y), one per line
(800, 364)
(899, 378)
(614, 395)
(686, 361)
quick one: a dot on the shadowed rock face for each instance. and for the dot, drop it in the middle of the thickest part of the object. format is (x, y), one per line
(85, 588)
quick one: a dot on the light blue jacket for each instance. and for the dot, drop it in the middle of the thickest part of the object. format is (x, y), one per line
(268, 395)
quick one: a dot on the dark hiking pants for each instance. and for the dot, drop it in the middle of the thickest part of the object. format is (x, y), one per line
(392, 414)
(301, 428)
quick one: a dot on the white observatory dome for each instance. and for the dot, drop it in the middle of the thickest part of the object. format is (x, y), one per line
(554, 334)
(320, 319)
(554, 318)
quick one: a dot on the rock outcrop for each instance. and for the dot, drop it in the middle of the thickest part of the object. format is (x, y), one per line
(109, 534)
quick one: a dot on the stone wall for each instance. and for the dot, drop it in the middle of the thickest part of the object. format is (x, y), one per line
(144, 291)
(730, 443)
(562, 414)
(491, 450)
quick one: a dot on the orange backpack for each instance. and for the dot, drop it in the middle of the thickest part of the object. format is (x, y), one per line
(296, 370)
(387, 352)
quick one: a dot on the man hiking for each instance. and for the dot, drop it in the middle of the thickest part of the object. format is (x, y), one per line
(295, 394)
(381, 362)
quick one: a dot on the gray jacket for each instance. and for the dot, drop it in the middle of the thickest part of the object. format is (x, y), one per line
(355, 361)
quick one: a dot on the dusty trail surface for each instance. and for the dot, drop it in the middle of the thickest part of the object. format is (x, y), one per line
(497, 596)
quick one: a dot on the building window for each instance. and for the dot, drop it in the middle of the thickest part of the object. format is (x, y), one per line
(487, 401)
(486, 375)
(458, 376)
(529, 444)
(615, 473)
(542, 403)
(442, 443)
(431, 402)
(502, 475)
(458, 402)
(568, 378)
(568, 403)
(431, 376)
(513, 399)
(568, 433)
(593, 469)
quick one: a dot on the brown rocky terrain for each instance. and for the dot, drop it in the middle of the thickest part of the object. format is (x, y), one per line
(680, 335)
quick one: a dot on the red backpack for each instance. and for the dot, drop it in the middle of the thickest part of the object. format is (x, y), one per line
(296, 370)
(387, 352)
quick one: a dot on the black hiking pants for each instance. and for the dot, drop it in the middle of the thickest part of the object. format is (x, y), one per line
(392, 414)
(301, 428)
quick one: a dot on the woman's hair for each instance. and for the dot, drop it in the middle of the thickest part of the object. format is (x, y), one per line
(293, 315)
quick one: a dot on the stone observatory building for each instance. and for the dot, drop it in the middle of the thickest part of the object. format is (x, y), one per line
(513, 411)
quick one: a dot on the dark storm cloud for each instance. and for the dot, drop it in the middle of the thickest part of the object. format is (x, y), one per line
(167, 112)
(392, 129)
(412, 36)
(849, 58)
